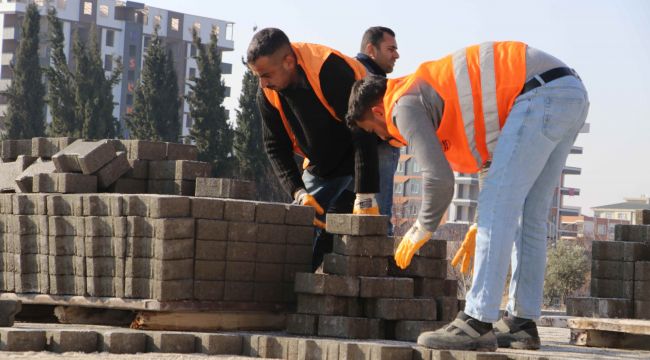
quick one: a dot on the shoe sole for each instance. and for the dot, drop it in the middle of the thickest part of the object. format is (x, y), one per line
(518, 344)
(480, 346)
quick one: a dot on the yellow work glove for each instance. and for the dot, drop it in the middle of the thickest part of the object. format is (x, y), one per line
(302, 197)
(365, 204)
(410, 244)
(466, 251)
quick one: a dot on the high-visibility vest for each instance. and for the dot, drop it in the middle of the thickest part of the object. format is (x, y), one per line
(311, 58)
(478, 85)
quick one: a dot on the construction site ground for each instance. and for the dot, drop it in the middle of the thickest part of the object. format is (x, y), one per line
(555, 345)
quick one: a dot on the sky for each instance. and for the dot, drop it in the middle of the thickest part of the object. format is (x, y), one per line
(606, 42)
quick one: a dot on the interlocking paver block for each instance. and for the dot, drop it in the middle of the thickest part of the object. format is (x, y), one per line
(239, 210)
(165, 206)
(176, 151)
(211, 229)
(173, 249)
(210, 270)
(635, 233)
(324, 284)
(642, 310)
(240, 271)
(354, 265)
(145, 150)
(29, 204)
(112, 171)
(105, 246)
(123, 342)
(614, 308)
(25, 179)
(138, 226)
(270, 213)
(168, 342)
(329, 305)
(241, 251)
(138, 169)
(225, 188)
(86, 157)
(402, 309)
(302, 324)
(363, 245)
(178, 170)
(173, 228)
(207, 208)
(136, 205)
(99, 267)
(620, 251)
(220, 344)
(238, 291)
(210, 250)
(614, 270)
(612, 288)
(299, 254)
(62, 341)
(299, 215)
(382, 287)
(22, 340)
(348, 224)
(171, 187)
(206, 290)
(268, 272)
(420, 267)
(350, 327)
(642, 290)
(642, 271)
(169, 290)
(409, 330)
(267, 253)
(272, 233)
(64, 205)
(242, 231)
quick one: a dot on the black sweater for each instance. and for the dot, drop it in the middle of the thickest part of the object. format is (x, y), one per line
(333, 150)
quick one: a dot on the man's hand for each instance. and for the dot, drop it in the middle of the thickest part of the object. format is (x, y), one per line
(365, 204)
(466, 251)
(410, 244)
(302, 197)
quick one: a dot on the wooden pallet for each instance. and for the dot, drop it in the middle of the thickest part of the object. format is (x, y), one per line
(612, 333)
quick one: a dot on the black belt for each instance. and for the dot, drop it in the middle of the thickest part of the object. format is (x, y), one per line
(546, 77)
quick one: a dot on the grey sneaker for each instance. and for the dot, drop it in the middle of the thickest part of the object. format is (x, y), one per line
(464, 333)
(517, 333)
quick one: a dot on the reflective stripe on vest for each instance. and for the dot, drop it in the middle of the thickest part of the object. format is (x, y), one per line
(478, 85)
(311, 58)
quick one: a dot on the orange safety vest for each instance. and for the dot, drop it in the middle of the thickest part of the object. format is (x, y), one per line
(478, 85)
(311, 58)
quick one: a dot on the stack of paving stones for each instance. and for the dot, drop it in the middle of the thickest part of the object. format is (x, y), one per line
(161, 247)
(620, 275)
(361, 293)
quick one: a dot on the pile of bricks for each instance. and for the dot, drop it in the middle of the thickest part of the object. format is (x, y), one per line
(160, 247)
(362, 294)
(620, 275)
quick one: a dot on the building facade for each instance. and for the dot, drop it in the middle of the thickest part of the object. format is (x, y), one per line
(624, 210)
(124, 29)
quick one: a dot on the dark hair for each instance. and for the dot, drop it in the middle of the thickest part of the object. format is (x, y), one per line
(266, 42)
(374, 35)
(365, 93)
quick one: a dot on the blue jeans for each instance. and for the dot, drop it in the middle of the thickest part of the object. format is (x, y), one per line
(515, 201)
(388, 159)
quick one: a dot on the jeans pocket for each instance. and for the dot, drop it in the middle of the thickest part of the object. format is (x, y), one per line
(561, 116)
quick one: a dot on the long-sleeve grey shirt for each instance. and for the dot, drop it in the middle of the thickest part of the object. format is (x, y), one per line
(417, 115)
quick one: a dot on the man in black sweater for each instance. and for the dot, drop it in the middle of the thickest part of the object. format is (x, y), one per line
(303, 98)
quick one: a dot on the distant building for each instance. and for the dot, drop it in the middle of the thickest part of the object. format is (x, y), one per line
(589, 228)
(125, 29)
(623, 210)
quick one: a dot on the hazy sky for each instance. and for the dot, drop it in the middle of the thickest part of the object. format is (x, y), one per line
(607, 42)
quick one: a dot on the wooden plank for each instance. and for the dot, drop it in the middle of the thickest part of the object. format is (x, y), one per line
(629, 326)
(208, 321)
(609, 339)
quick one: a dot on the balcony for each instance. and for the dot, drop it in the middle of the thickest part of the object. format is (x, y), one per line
(576, 150)
(571, 170)
(570, 211)
(466, 180)
(585, 128)
(226, 68)
(465, 202)
(570, 191)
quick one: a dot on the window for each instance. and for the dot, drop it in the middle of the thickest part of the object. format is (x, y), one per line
(415, 188)
(229, 31)
(175, 24)
(188, 121)
(400, 167)
(130, 75)
(110, 38)
(601, 229)
(103, 10)
(88, 8)
(192, 73)
(399, 189)
(61, 4)
(132, 50)
(608, 215)
(129, 99)
(621, 216)
(108, 62)
(416, 167)
(147, 42)
(192, 50)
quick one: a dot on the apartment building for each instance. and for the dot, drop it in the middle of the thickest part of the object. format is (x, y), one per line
(624, 210)
(125, 29)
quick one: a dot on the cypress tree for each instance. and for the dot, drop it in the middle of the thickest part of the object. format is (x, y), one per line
(156, 105)
(210, 129)
(25, 116)
(61, 84)
(249, 148)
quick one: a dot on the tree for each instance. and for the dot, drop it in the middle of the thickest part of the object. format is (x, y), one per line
(93, 90)
(566, 269)
(210, 129)
(25, 116)
(156, 105)
(61, 84)
(249, 149)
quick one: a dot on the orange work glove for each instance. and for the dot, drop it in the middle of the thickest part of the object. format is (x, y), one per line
(365, 204)
(302, 197)
(410, 244)
(466, 251)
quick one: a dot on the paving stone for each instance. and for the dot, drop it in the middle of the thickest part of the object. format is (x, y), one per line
(290, 271)
(409, 330)
(171, 342)
(354, 265)
(642, 310)
(113, 170)
(642, 290)
(137, 226)
(241, 251)
(30, 263)
(612, 288)
(173, 249)
(242, 231)
(211, 230)
(329, 305)
(614, 308)
(23, 225)
(642, 271)
(62, 341)
(317, 349)
(176, 151)
(138, 169)
(614, 270)
(123, 342)
(239, 210)
(128, 186)
(139, 247)
(65, 183)
(299, 215)
(220, 344)
(109, 286)
(401, 309)
(178, 170)
(28, 244)
(299, 254)
(138, 288)
(620, 251)
(171, 187)
(324, 284)
(170, 290)
(97, 205)
(379, 351)
(165, 206)
(434, 249)
(270, 213)
(238, 291)
(11, 149)
(210, 270)
(302, 324)
(31, 283)
(634, 233)
(136, 205)
(105, 246)
(446, 308)
(174, 228)
(145, 150)
(66, 245)
(265, 253)
(272, 233)
(86, 157)
(22, 340)
(24, 181)
(240, 271)
(210, 250)
(207, 208)
(383, 287)
(350, 327)
(64, 205)
(105, 267)
(29, 204)
(348, 224)
(642, 217)
(268, 292)
(67, 285)
(420, 267)
(66, 265)
(363, 245)
(205, 290)
(300, 235)
(98, 226)
(268, 272)
(225, 188)
(6, 203)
